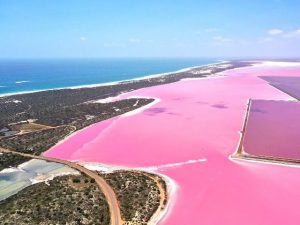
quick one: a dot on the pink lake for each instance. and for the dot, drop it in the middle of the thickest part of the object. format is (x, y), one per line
(196, 120)
(290, 85)
(273, 129)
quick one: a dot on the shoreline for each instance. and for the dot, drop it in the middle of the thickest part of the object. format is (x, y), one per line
(15, 168)
(130, 113)
(208, 74)
(171, 185)
(112, 83)
(162, 214)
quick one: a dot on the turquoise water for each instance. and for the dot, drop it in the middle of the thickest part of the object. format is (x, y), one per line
(41, 74)
(11, 182)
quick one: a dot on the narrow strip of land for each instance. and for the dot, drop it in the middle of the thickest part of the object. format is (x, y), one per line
(115, 213)
(163, 198)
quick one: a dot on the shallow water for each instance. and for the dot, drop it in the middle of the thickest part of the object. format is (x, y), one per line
(199, 119)
(32, 171)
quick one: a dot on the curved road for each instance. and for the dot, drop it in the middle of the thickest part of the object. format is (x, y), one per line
(115, 213)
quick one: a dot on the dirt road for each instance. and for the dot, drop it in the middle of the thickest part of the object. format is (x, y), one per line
(115, 213)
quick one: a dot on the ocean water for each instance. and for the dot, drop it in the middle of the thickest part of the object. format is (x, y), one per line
(22, 75)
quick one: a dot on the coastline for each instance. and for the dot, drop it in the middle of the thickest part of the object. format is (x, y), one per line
(156, 100)
(23, 176)
(164, 213)
(139, 78)
(161, 214)
(171, 185)
(130, 113)
(171, 191)
(271, 94)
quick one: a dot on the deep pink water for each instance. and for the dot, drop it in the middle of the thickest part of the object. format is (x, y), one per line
(199, 119)
(273, 129)
(290, 85)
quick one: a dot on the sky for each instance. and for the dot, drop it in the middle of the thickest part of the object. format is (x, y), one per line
(149, 28)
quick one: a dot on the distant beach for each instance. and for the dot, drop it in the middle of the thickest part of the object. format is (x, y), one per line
(26, 76)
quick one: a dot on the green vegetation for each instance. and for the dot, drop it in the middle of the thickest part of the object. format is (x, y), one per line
(76, 199)
(138, 194)
(73, 109)
(47, 105)
(36, 142)
(11, 160)
(67, 120)
(84, 114)
(61, 202)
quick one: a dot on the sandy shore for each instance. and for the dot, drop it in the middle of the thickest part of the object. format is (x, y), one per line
(171, 185)
(18, 168)
(114, 82)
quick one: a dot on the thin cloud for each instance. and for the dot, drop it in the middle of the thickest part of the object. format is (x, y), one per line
(135, 40)
(114, 45)
(265, 40)
(292, 34)
(284, 34)
(207, 30)
(211, 30)
(222, 39)
(275, 32)
(82, 38)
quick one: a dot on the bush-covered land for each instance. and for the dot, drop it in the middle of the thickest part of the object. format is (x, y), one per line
(85, 114)
(36, 142)
(66, 200)
(41, 105)
(75, 118)
(11, 160)
(72, 109)
(138, 195)
(76, 199)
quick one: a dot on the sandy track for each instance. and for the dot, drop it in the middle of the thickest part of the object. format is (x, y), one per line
(115, 213)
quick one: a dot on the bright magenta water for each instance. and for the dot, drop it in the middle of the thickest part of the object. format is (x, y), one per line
(197, 120)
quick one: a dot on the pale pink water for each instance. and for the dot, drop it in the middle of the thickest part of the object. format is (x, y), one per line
(195, 120)
(273, 129)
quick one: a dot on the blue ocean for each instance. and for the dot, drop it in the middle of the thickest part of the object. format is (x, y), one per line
(23, 75)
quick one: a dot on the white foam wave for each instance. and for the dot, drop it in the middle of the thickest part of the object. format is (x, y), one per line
(178, 164)
(113, 82)
(22, 81)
